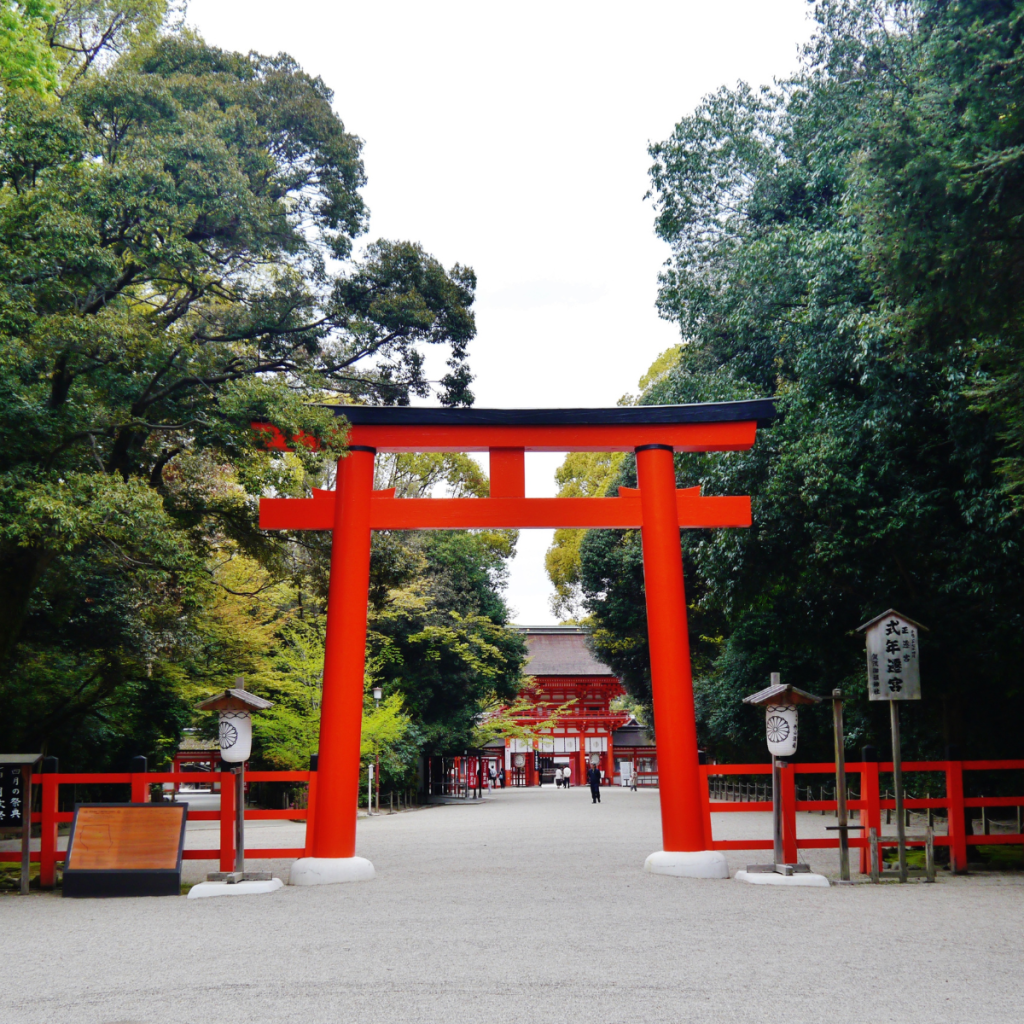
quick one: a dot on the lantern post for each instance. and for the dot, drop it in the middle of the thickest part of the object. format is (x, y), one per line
(781, 706)
(235, 708)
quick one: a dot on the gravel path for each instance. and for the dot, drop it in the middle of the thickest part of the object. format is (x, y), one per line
(530, 906)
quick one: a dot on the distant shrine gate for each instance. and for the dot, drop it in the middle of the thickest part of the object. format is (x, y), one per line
(656, 508)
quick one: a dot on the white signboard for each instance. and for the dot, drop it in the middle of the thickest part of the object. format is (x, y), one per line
(894, 660)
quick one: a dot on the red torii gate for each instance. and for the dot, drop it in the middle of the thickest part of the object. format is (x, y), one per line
(656, 508)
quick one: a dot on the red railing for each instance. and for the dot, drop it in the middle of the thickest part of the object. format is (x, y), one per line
(50, 817)
(870, 805)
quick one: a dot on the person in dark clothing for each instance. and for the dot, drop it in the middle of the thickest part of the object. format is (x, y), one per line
(594, 781)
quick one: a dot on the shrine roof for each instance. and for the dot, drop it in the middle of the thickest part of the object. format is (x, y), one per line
(760, 409)
(560, 651)
(632, 734)
(196, 743)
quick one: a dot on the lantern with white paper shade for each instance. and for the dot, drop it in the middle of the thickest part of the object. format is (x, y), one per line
(780, 727)
(235, 708)
(235, 736)
(781, 710)
(781, 720)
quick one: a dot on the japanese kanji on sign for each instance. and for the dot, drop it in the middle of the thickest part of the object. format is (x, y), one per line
(894, 659)
(894, 674)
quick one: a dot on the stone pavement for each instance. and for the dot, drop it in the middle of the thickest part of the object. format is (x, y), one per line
(530, 906)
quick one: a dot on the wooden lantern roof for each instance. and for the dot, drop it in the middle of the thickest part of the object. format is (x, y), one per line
(234, 700)
(781, 694)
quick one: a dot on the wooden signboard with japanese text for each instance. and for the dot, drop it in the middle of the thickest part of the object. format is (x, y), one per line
(894, 659)
(13, 796)
(125, 850)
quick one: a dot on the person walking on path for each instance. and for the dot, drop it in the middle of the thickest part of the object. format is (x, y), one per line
(594, 781)
(566, 776)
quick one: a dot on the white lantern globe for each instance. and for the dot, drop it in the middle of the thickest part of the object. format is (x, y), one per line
(235, 708)
(780, 726)
(235, 736)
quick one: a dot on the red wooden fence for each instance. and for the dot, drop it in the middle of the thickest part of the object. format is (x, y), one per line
(49, 817)
(869, 804)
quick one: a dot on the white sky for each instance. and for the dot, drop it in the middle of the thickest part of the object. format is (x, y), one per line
(513, 138)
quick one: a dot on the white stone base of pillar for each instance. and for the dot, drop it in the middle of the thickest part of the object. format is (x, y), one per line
(692, 864)
(330, 870)
(771, 878)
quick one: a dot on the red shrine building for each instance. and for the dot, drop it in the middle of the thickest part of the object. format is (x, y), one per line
(563, 671)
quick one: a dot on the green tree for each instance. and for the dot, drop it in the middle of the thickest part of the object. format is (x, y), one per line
(439, 636)
(26, 60)
(878, 485)
(176, 261)
(940, 185)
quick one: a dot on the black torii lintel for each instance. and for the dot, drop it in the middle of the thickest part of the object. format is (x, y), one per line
(761, 410)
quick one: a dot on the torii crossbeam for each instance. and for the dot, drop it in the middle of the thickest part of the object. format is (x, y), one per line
(656, 508)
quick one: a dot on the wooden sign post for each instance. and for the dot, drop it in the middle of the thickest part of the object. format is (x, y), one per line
(894, 674)
(16, 803)
(842, 824)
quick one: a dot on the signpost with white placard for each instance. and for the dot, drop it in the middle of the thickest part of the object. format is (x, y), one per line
(894, 674)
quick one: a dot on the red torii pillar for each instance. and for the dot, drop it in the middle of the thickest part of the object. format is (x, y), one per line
(686, 847)
(354, 510)
(341, 710)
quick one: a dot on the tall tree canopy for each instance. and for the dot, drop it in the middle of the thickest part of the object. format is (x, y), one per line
(176, 261)
(848, 242)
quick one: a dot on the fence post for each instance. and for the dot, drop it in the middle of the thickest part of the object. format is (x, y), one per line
(957, 828)
(227, 821)
(48, 829)
(871, 814)
(140, 790)
(789, 850)
(314, 761)
(875, 857)
(705, 806)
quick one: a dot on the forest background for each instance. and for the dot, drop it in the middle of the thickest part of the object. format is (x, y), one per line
(849, 240)
(176, 257)
(177, 229)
